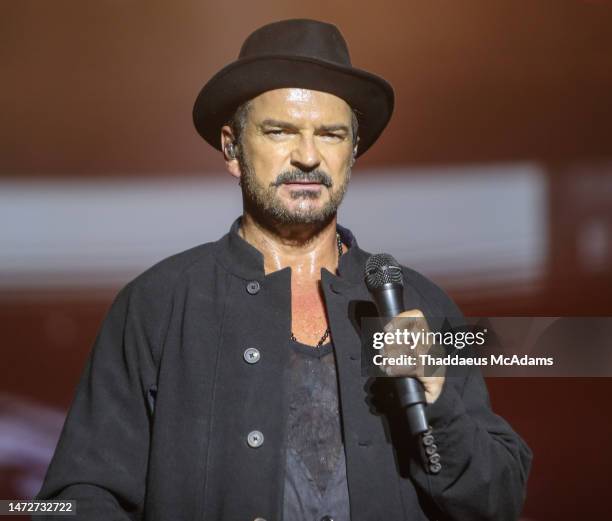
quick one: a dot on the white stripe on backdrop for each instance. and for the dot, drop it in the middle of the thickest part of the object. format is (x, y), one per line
(465, 225)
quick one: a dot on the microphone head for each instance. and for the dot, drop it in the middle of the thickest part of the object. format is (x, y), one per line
(380, 269)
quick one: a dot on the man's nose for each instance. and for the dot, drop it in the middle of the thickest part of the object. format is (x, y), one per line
(305, 155)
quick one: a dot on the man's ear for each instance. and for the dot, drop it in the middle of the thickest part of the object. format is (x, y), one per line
(230, 153)
(355, 148)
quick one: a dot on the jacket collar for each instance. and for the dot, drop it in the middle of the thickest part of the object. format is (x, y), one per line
(245, 261)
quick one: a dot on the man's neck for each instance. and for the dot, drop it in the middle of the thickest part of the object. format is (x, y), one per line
(304, 248)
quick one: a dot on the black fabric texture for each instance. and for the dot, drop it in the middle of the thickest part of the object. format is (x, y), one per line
(314, 431)
(315, 470)
(159, 423)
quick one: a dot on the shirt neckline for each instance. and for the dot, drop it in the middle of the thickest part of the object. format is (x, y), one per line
(244, 260)
(315, 352)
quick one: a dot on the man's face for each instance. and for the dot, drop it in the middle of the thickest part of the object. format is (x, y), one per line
(296, 155)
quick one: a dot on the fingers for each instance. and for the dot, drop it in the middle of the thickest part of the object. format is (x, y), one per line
(412, 313)
(404, 335)
(409, 320)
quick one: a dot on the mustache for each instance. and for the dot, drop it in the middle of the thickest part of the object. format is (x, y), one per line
(293, 176)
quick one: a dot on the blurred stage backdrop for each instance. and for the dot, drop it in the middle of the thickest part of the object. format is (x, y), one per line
(501, 142)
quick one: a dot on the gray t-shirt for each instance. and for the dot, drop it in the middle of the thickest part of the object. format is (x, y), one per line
(315, 479)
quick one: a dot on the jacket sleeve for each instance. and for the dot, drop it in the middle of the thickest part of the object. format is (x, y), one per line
(484, 464)
(101, 457)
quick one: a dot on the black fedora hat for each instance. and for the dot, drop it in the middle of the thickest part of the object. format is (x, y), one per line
(297, 53)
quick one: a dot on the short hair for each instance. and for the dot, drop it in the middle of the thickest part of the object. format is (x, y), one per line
(238, 122)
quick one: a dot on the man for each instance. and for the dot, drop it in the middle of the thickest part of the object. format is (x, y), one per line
(225, 383)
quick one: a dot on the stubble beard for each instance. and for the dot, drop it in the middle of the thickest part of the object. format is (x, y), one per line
(263, 202)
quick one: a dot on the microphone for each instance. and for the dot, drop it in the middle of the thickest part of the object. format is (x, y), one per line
(383, 277)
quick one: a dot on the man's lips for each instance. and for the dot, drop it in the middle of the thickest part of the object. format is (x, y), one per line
(303, 184)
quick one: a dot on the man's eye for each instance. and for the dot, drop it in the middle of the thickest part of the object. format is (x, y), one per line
(276, 131)
(332, 136)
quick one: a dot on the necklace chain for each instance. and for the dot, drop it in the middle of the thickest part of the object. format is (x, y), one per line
(326, 333)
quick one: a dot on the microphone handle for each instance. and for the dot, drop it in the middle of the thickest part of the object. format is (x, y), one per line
(411, 395)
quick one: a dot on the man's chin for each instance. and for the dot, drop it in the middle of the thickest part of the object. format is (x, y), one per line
(309, 216)
(288, 211)
(304, 218)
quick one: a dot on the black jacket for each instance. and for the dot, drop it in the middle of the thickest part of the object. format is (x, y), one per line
(159, 424)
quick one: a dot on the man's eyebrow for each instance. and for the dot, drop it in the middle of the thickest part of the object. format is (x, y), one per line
(277, 123)
(286, 124)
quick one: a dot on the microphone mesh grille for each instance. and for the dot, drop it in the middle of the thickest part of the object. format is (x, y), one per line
(380, 269)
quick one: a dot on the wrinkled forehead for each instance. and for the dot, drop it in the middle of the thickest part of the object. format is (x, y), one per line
(300, 106)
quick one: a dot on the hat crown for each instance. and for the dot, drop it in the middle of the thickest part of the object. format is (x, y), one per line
(298, 37)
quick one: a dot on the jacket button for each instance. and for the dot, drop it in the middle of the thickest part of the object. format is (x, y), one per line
(327, 518)
(428, 440)
(253, 287)
(251, 355)
(431, 449)
(434, 468)
(434, 458)
(259, 519)
(255, 439)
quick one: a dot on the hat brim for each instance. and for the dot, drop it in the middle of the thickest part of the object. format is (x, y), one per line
(370, 96)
